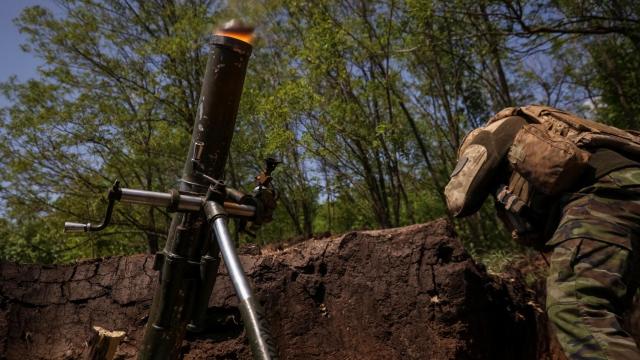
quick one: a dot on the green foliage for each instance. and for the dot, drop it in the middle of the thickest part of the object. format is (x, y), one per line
(115, 99)
(366, 102)
(616, 62)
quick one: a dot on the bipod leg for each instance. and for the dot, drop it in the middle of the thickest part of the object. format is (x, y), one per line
(260, 338)
(166, 325)
(208, 273)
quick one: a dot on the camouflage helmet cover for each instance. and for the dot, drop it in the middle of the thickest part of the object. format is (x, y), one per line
(479, 163)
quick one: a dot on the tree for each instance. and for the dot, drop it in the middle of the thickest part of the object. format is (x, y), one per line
(366, 103)
(116, 98)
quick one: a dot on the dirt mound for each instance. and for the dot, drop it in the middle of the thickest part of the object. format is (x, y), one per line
(406, 293)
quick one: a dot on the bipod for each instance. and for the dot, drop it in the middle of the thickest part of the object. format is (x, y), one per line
(260, 338)
(217, 205)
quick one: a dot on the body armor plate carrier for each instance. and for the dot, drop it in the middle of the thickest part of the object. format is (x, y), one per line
(547, 156)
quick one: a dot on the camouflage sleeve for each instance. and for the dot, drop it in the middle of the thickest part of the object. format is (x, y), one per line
(589, 287)
(606, 211)
(481, 154)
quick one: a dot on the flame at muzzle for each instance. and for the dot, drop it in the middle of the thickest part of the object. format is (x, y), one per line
(237, 30)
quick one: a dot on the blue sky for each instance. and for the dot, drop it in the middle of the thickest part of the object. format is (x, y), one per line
(14, 61)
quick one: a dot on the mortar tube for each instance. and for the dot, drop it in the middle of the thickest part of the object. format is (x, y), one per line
(212, 134)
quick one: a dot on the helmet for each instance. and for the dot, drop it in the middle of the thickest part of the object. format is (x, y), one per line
(480, 163)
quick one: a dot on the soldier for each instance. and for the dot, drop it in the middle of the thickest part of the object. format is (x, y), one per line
(572, 186)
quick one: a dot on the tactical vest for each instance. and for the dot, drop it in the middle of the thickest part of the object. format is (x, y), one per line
(548, 157)
(586, 134)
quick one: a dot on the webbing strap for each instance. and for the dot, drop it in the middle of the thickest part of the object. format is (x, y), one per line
(509, 200)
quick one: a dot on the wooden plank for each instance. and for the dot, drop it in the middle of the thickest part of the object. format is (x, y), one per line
(104, 343)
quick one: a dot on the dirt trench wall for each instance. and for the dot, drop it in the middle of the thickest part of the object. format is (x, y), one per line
(406, 293)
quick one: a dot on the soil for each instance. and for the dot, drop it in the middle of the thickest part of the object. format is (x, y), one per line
(405, 293)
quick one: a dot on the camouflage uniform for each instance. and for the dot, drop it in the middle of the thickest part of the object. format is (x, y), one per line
(594, 267)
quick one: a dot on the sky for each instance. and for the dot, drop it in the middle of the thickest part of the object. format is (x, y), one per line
(14, 61)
